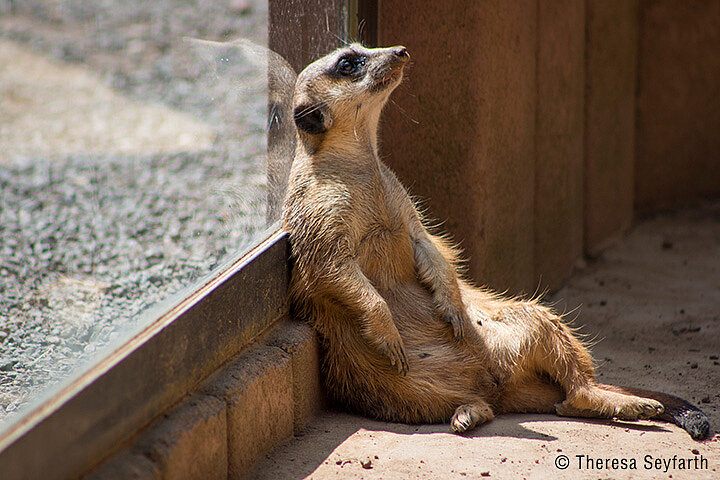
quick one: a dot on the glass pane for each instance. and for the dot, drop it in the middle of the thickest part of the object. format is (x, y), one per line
(132, 164)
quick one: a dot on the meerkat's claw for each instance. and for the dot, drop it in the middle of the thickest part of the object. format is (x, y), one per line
(469, 416)
(457, 322)
(457, 319)
(396, 353)
(460, 424)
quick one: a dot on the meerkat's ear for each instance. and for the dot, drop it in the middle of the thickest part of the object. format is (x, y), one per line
(312, 118)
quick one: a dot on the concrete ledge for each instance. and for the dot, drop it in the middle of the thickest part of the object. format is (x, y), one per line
(242, 411)
(190, 441)
(300, 342)
(257, 388)
(126, 465)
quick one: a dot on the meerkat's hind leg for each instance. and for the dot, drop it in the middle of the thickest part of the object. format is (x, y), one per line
(562, 356)
(470, 415)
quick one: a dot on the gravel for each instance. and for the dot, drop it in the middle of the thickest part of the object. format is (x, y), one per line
(89, 242)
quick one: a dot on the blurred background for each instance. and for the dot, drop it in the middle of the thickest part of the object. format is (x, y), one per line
(132, 164)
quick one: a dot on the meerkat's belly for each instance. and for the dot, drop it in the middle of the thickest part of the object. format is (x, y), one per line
(386, 256)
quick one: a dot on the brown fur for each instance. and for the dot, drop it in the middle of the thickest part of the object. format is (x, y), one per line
(406, 338)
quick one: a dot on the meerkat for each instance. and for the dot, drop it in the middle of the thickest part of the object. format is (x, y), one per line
(405, 337)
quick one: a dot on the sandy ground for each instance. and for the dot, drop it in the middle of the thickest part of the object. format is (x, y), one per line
(651, 303)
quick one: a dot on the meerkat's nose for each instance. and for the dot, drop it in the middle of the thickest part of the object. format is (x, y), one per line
(400, 52)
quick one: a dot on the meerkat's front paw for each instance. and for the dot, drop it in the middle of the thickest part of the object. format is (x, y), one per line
(379, 330)
(395, 351)
(455, 317)
(458, 323)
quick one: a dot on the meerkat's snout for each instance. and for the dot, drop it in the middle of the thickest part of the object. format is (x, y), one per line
(401, 52)
(390, 66)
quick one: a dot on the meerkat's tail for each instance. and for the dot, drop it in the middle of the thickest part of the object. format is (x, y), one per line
(677, 410)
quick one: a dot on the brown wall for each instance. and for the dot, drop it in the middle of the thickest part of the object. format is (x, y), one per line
(610, 72)
(470, 155)
(678, 107)
(559, 123)
(303, 30)
(535, 129)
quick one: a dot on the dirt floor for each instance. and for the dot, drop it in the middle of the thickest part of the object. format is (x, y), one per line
(651, 303)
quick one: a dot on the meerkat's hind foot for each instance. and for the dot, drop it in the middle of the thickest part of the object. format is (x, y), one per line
(468, 416)
(644, 408)
(611, 405)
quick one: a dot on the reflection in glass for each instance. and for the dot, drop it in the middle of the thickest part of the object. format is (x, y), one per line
(132, 164)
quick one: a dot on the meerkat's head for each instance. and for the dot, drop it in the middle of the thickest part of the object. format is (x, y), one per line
(349, 86)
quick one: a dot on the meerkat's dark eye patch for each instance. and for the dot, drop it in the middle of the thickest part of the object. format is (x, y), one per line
(349, 65)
